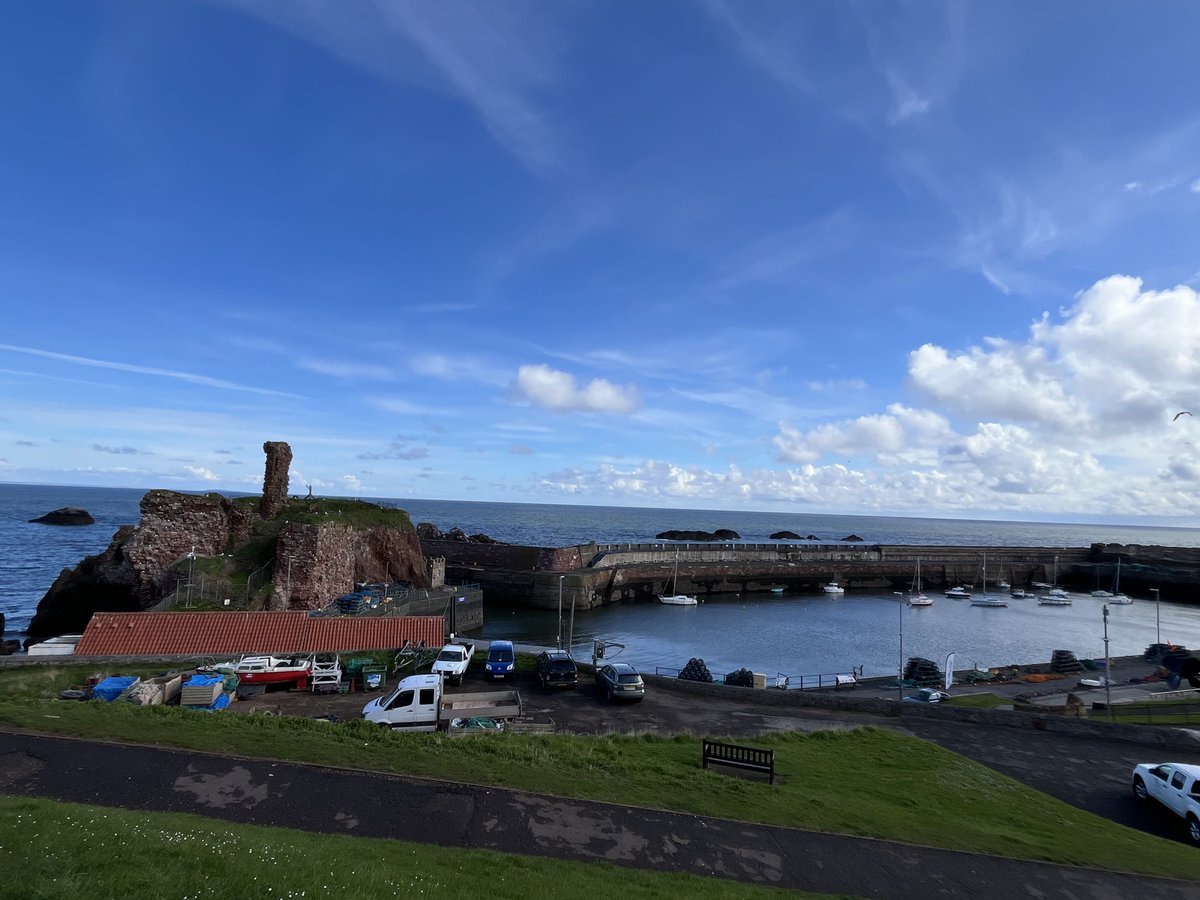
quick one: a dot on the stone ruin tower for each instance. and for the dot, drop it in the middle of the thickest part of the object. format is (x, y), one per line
(275, 481)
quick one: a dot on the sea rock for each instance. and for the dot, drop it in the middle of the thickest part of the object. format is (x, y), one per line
(852, 537)
(785, 536)
(812, 537)
(427, 531)
(721, 534)
(68, 515)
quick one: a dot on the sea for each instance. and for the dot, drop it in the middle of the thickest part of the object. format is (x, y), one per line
(777, 634)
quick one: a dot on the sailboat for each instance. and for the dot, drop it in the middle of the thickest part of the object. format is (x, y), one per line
(1002, 585)
(1056, 596)
(987, 599)
(676, 599)
(1117, 597)
(916, 596)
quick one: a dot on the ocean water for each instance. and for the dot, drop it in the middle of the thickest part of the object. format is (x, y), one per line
(789, 634)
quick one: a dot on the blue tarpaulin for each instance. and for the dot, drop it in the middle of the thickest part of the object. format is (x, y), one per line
(110, 688)
(202, 680)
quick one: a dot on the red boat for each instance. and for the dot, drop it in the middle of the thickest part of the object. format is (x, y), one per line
(274, 670)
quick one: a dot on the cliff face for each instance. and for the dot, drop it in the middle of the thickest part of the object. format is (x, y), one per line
(320, 549)
(315, 563)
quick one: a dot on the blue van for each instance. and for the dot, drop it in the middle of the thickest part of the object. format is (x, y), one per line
(501, 661)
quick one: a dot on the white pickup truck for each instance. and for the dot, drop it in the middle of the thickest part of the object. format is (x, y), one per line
(418, 704)
(453, 659)
(1176, 786)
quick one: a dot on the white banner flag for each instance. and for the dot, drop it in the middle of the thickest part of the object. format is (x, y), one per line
(949, 670)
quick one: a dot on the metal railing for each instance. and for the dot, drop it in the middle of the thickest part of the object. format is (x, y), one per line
(833, 680)
(1154, 713)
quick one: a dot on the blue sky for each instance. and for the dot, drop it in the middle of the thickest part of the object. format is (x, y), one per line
(926, 259)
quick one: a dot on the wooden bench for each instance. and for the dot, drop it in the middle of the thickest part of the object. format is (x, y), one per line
(739, 757)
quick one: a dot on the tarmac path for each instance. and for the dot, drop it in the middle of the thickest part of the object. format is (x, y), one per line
(1090, 773)
(320, 799)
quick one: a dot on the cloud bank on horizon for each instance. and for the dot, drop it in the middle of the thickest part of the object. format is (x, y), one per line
(934, 260)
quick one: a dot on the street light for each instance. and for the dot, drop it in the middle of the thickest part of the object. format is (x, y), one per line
(560, 581)
(1157, 618)
(191, 569)
(1107, 668)
(900, 676)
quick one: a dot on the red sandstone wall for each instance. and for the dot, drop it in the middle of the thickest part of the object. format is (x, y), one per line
(316, 563)
(172, 524)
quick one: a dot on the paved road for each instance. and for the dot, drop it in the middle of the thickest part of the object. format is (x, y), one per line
(331, 800)
(1086, 772)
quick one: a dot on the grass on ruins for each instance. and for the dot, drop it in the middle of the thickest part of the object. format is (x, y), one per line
(869, 781)
(63, 851)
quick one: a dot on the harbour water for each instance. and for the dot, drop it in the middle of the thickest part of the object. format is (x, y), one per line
(789, 634)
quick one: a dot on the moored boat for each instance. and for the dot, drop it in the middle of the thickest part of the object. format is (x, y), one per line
(676, 599)
(989, 600)
(833, 588)
(958, 593)
(1052, 599)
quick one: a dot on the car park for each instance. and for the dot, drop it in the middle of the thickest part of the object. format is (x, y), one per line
(619, 681)
(1176, 786)
(556, 668)
(501, 661)
(927, 695)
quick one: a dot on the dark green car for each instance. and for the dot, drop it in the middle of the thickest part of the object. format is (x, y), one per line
(619, 681)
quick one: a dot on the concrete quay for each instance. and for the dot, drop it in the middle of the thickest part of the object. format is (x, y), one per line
(599, 574)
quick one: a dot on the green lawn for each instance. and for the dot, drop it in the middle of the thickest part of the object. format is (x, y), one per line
(63, 851)
(869, 781)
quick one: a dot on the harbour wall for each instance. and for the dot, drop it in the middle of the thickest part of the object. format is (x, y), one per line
(598, 574)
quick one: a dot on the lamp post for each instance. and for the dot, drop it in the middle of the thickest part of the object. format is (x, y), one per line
(900, 670)
(191, 568)
(1157, 618)
(560, 581)
(1107, 668)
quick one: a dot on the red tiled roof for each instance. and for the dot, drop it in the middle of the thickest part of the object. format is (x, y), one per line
(183, 633)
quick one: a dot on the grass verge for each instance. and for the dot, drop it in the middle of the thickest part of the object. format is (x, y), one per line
(64, 850)
(986, 700)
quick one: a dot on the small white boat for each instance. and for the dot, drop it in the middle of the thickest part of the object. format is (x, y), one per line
(1039, 585)
(676, 599)
(833, 588)
(1053, 600)
(1058, 594)
(1102, 595)
(1116, 597)
(988, 600)
(777, 590)
(958, 593)
(1018, 594)
(916, 597)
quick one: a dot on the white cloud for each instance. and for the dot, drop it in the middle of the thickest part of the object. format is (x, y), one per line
(189, 377)
(201, 473)
(1078, 416)
(1195, 186)
(500, 59)
(558, 391)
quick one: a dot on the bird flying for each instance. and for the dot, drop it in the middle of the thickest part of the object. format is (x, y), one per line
(1182, 413)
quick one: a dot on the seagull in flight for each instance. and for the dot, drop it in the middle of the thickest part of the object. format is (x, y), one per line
(1182, 413)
